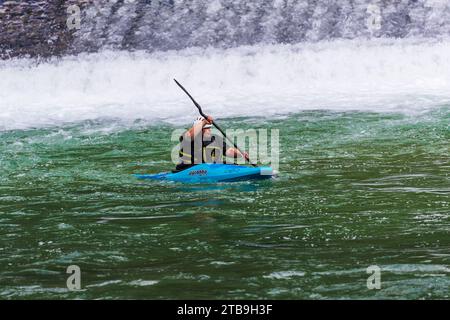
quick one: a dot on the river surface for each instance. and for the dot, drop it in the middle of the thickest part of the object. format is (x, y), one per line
(355, 189)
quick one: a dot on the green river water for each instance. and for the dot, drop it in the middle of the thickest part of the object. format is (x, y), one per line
(355, 189)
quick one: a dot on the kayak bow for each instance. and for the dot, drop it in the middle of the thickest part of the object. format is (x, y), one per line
(212, 172)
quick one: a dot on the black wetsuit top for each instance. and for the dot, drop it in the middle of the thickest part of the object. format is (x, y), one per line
(212, 151)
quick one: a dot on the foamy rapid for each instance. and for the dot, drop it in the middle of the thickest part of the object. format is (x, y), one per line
(385, 75)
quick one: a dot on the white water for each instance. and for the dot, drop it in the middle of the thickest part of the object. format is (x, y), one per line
(386, 75)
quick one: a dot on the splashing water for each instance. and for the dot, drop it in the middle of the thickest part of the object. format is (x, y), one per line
(403, 75)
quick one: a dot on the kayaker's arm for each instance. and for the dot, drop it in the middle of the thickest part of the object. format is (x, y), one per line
(234, 153)
(197, 128)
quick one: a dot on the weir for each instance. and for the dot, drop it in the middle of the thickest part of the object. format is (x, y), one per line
(39, 27)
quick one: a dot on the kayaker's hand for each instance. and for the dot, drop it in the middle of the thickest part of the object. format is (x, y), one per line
(209, 120)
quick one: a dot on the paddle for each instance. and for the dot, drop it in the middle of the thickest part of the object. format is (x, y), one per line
(214, 123)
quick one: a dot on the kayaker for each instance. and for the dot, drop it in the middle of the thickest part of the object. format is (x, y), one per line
(199, 145)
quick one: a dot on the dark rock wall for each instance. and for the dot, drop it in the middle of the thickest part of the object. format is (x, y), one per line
(35, 28)
(38, 28)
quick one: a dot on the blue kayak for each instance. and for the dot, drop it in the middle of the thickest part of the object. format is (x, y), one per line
(212, 172)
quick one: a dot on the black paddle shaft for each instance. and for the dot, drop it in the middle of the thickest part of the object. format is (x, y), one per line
(214, 123)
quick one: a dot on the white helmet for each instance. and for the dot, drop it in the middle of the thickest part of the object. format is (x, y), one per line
(200, 119)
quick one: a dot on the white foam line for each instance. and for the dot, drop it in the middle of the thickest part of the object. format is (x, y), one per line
(265, 80)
